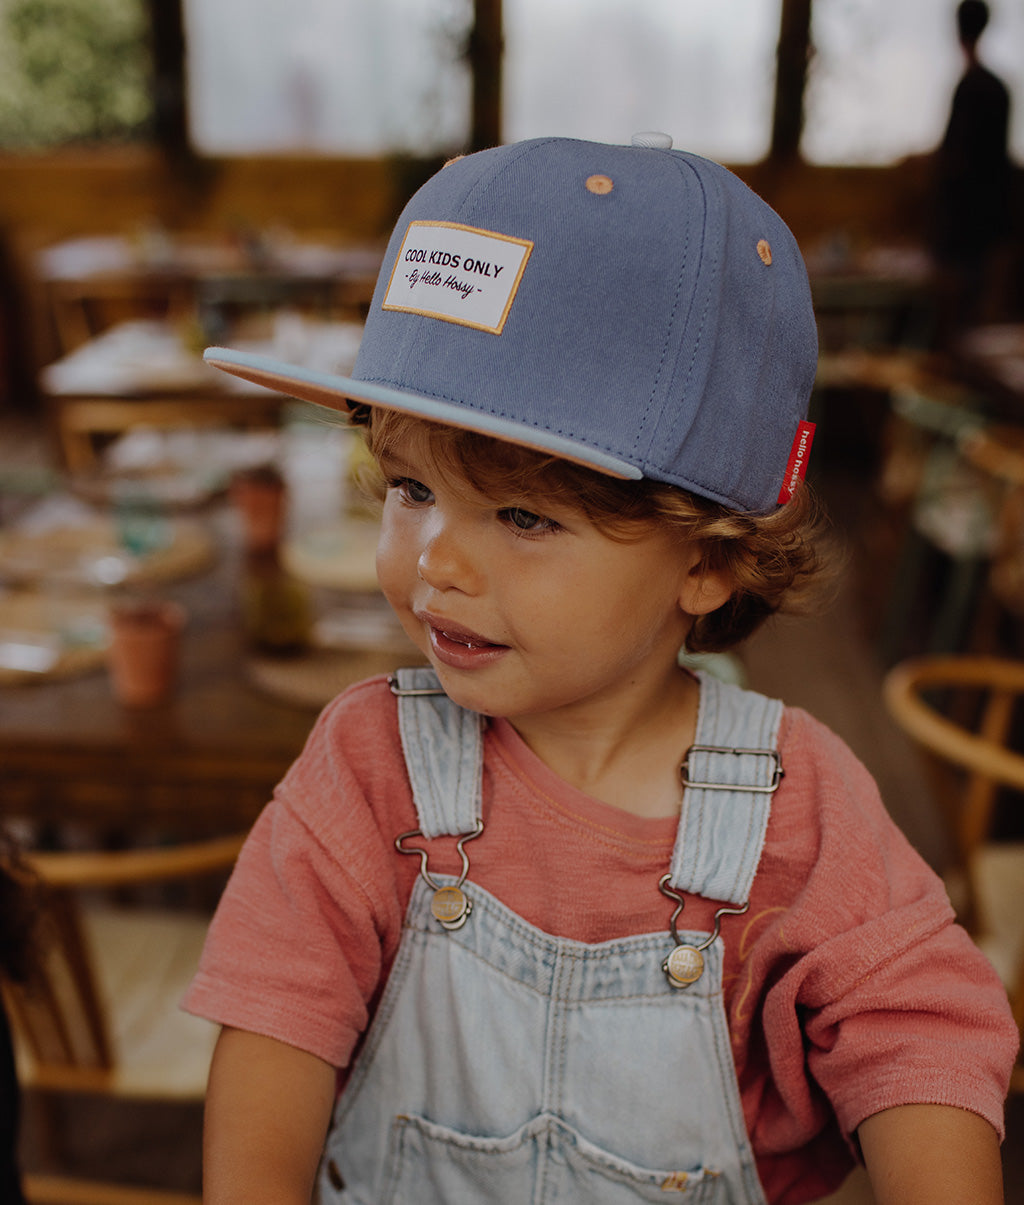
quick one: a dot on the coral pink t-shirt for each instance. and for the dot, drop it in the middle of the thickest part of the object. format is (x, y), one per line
(848, 987)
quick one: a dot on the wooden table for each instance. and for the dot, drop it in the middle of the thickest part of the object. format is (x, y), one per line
(874, 298)
(206, 761)
(89, 282)
(991, 359)
(143, 372)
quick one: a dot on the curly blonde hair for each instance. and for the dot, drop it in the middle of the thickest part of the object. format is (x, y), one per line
(779, 561)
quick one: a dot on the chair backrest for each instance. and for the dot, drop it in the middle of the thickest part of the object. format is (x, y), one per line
(59, 1018)
(42, 1189)
(924, 694)
(961, 709)
(81, 309)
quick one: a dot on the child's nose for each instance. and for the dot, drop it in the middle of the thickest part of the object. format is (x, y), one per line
(446, 561)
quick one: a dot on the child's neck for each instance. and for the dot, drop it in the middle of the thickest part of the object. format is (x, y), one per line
(625, 752)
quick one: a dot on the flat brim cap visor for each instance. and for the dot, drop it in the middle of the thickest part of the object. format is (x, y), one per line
(645, 334)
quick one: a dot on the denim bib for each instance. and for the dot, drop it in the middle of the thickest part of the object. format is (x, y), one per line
(507, 1066)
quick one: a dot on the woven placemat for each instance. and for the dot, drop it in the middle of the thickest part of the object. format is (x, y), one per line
(43, 639)
(312, 679)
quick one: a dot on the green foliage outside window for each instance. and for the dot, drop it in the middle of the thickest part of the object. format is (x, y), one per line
(73, 72)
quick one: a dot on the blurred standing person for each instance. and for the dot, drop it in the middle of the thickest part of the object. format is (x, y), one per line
(972, 185)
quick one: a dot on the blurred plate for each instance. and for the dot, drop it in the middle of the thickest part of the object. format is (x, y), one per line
(341, 557)
(370, 626)
(180, 468)
(94, 553)
(172, 488)
(43, 638)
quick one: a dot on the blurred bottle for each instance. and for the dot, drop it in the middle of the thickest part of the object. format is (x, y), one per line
(140, 517)
(276, 608)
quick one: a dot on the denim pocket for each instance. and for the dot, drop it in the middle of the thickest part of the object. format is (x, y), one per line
(546, 1161)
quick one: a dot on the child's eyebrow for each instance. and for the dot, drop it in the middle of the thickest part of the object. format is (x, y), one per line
(395, 463)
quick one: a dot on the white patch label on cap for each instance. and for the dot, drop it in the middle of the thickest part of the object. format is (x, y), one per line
(458, 274)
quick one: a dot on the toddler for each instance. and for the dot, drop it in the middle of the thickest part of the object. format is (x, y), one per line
(564, 920)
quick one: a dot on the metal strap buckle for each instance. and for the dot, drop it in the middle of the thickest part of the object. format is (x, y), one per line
(450, 906)
(769, 789)
(411, 692)
(685, 964)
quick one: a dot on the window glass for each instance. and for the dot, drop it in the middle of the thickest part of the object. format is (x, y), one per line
(883, 73)
(73, 71)
(351, 77)
(332, 76)
(702, 71)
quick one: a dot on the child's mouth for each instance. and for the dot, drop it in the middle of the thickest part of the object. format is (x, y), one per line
(469, 642)
(458, 647)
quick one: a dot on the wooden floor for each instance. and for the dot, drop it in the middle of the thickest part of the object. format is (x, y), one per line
(827, 663)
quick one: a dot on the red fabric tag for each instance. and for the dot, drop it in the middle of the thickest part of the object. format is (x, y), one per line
(797, 466)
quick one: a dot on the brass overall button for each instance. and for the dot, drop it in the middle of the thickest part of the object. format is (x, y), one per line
(449, 906)
(684, 966)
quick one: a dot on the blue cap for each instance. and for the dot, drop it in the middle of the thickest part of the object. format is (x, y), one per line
(634, 308)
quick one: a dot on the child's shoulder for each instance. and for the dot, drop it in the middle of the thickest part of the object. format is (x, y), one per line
(806, 745)
(363, 712)
(822, 777)
(828, 813)
(370, 696)
(352, 757)
(807, 739)
(816, 756)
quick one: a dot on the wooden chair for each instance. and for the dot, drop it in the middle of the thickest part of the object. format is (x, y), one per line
(101, 1015)
(81, 309)
(960, 709)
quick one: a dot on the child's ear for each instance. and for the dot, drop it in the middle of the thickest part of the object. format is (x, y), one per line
(705, 590)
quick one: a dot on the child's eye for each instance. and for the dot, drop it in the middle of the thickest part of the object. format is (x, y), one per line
(410, 490)
(522, 520)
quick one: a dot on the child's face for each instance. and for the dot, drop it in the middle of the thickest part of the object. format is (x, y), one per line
(525, 608)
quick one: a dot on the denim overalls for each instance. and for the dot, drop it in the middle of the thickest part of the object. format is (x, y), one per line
(509, 1067)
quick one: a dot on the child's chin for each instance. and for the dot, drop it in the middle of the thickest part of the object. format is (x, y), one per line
(473, 696)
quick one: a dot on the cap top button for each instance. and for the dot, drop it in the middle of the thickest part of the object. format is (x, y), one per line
(653, 140)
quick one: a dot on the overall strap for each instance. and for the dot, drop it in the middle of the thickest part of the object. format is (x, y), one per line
(730, 774)
(443, 747)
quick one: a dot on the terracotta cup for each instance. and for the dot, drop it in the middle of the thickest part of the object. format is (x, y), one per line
(260, 496)
(144, 648)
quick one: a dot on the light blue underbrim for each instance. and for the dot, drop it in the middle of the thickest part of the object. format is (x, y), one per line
(328, 389)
